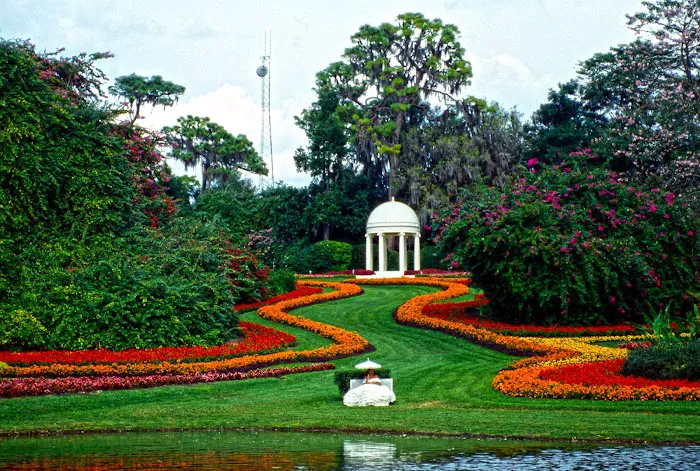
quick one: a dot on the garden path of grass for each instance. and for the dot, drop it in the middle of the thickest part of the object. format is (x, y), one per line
(443, 385)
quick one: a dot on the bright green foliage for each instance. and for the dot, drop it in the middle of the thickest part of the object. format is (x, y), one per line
(139, 91)
(152, 288)
(78, 268)
(574, 244)
(198, 142)
(19, 329)
(61, 172)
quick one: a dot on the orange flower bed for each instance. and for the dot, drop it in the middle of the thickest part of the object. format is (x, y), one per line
(546, 353)
(526, 382)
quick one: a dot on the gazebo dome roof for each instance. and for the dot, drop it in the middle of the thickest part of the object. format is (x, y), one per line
(393, 217)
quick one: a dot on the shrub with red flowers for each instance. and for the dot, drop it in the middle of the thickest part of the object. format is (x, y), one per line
(574, 244)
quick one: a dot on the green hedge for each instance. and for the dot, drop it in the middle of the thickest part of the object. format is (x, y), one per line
(324, 256)
(665, 361)
(342, 378)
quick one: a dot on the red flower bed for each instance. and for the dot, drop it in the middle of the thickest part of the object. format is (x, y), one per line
(299, 292)
(458, 312)
(607, 373)
(257, 338)
(17, 387)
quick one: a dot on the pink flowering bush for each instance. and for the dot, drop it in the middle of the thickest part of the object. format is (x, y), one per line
(574, 244)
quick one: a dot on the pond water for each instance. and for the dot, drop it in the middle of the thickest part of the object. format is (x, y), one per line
(316, 451)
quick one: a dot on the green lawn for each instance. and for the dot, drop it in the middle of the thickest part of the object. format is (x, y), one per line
(443, 385)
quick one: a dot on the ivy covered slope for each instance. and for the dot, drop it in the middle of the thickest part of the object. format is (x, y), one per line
(575, 244)
(92, 252)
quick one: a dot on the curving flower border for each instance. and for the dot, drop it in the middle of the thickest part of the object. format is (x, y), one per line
(345, 343)
(545, 354)
(17, 387)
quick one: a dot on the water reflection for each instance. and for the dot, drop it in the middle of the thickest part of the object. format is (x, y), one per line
(307, 451)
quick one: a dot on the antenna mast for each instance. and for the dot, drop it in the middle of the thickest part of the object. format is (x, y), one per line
(266, 127)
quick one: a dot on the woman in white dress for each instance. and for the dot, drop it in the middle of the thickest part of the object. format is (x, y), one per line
(370, 393)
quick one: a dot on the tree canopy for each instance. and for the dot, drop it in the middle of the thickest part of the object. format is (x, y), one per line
(139, 91)
(197, 141)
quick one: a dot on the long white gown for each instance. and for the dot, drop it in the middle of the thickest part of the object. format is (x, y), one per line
(371, 393)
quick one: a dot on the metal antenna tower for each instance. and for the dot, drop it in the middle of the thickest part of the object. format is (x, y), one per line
(266, 128)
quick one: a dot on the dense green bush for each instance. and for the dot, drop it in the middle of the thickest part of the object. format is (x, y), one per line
(281, 281)
(20, 330)
(431, 258)
(342, 378)
(574, 244)
(324, 256)
(665, 361)
(175, 286)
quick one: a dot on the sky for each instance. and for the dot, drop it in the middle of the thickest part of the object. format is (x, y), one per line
(519, 49)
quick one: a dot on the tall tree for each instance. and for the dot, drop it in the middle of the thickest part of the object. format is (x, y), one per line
(568, 122)
(139, 91)
(390, 69)
(198, 141)
(455, 147)
(326, 154)
(651, 89)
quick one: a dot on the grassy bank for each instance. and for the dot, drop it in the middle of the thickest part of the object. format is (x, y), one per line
(443, 385)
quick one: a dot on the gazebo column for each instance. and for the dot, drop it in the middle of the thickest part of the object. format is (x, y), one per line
(369, 252)
(416, 252)
(403, 259)
(382, 252)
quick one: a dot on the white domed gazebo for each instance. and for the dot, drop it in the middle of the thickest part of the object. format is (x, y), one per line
(392, 219)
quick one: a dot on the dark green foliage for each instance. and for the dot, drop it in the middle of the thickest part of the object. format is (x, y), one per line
(665, 361)
(324, 256)
(575, 245)
(342, 378)
(431, 258)
(566, 123)
(199, 142)
(230, 205)
(139, 91)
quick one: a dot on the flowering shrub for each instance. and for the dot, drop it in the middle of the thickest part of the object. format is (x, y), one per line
(256, 338)
(16, 387)
(573, 244)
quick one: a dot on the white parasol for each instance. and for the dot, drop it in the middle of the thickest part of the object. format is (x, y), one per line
(368, 365)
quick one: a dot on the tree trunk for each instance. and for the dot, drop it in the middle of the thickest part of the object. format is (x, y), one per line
(326, 231)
